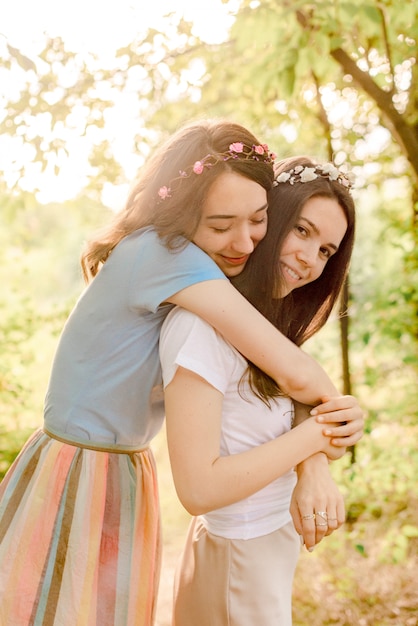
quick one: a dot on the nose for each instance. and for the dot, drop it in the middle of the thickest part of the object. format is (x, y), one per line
(243, 241)
(308, 255)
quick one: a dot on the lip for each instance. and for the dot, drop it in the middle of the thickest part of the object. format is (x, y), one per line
(236, 260)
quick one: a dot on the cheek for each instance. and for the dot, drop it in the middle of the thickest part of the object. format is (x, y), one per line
(320, 268)
(261, 233)
(203, 238)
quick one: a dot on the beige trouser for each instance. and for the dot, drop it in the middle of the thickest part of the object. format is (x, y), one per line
(224, 582)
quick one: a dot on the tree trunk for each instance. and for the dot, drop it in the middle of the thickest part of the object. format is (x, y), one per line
(345, 354)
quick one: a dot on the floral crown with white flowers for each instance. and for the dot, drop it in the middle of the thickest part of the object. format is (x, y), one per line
(237, 150)
(306, 173)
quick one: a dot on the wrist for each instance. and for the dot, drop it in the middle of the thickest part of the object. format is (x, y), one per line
(313, 438)
(317, 460)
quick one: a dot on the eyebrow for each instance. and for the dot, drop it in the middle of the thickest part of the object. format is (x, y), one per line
(230, 217)
(316, 230)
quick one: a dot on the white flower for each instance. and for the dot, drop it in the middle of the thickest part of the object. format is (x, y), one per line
(351, 177)
(330, 170)
(283, 177)
(308, 174)
(298, 169)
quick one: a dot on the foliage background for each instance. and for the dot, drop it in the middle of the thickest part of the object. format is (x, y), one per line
(283, 71)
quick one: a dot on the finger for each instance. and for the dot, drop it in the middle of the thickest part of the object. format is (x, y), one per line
(341, 416)
(309, 530)
(340, 513)
(332, 519)
(335, 404)
(321, 524)
(336, 515)
(344, 442)
(350, 429)
(340, 409)
(297, 521)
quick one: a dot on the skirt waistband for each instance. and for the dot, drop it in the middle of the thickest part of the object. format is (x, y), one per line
(118, 449)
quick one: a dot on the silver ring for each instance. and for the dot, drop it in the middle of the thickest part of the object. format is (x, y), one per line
(322, 514)
(309, 516)
(323, 524)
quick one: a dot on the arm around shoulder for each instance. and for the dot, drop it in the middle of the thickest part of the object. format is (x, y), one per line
(222, 306)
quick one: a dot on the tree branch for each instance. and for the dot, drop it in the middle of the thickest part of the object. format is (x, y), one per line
(403, 133)
(387, 47)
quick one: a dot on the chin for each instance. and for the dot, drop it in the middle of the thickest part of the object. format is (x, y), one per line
(231, 272)
(285, 290)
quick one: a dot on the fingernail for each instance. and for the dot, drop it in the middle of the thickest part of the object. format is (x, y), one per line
(327, 432)
(302, 541)
(313, 411)
(310, 549)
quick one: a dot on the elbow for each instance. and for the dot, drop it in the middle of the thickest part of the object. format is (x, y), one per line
(295, 384)
(194, 509)
(297, 387)
(195, 502)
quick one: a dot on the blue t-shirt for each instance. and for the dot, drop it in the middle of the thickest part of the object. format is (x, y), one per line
(107, 364)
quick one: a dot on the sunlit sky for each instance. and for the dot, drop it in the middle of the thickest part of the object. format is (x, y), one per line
(103, 25)
(99, 27)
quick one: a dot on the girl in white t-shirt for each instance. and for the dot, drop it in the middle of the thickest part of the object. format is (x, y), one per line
(229, 426)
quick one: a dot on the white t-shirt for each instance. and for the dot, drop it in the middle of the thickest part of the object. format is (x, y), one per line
(189, 342)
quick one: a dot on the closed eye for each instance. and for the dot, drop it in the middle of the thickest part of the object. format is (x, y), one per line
(221, 230)
(263, 220)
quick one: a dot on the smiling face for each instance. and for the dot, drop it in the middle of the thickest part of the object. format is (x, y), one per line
(233, 221)
(315, 237)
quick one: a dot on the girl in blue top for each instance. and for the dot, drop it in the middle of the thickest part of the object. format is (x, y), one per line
(79, 514)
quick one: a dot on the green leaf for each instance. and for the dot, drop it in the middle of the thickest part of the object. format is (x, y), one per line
(372, 13)
(361, 549)
(410, 531)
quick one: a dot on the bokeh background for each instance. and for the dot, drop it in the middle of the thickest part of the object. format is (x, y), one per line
(88, 89)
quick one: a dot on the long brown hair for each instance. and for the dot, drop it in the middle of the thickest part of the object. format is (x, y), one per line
(305, 310)
(177, 216)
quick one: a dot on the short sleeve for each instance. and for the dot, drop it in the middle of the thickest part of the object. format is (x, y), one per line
(188, 341)
(158, 273)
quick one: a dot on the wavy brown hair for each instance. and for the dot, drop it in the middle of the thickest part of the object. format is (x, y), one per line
(305, 310)
(176, 217)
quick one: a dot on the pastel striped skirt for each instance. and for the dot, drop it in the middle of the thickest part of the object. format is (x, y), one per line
(80, 538)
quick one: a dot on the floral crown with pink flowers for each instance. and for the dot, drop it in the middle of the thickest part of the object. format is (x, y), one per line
(305, 174)
(237, 150)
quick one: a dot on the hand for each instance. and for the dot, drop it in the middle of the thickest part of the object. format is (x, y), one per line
(315, 493)
(346, 411)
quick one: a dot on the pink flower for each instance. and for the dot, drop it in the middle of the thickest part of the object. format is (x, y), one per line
(164, 192)
(198, 167)
(259, 149)
(273, 156)
(238, 146)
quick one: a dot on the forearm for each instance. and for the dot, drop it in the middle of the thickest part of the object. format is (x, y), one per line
(204, 486)
(222, 306)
